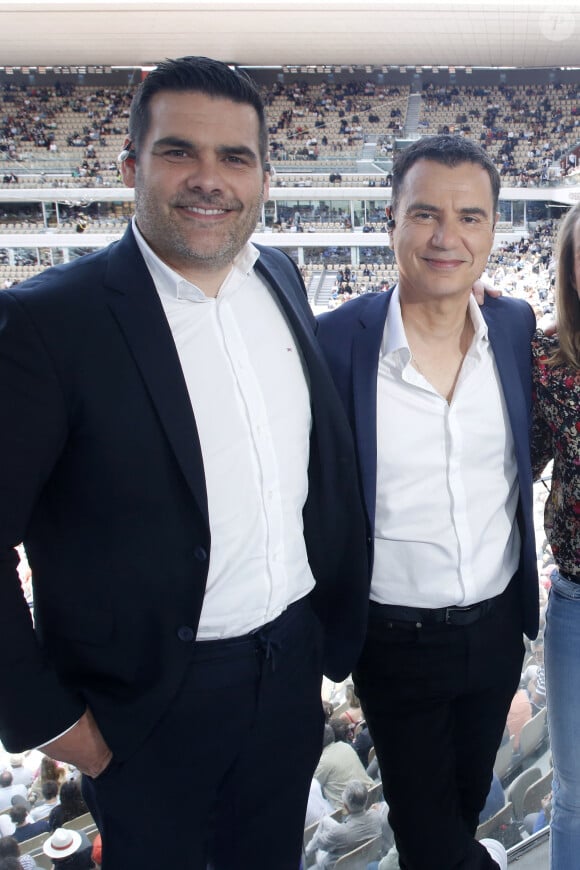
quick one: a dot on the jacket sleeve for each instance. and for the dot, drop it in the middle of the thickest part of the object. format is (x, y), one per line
(34, 706)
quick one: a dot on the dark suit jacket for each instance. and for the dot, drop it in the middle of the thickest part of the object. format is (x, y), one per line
(351, 339)
(101, 476)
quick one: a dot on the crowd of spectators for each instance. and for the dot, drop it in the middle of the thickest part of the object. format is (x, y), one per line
(38, 799)
(531, 132)
(73, 124)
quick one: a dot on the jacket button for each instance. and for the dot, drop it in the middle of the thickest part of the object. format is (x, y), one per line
(185, 633)
(200, 554)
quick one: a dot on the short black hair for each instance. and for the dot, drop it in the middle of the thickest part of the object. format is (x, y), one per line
(18, 814)
(9, 847)
(49, 789)
(449, 151)
(201, 75)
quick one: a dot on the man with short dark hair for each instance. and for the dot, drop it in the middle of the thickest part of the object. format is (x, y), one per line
(23, 828)
(43, 809)
(439, 396)
(180, 468)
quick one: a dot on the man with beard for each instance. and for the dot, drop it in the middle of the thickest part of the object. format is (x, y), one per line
(179, 468)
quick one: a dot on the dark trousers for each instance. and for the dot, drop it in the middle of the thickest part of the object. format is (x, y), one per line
(223, 780)
(436, 700)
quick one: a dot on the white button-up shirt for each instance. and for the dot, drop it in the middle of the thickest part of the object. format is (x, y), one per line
(248, 389)
(447, 488)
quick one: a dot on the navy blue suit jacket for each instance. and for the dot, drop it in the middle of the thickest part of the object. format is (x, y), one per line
(101, 476)
(351, 338)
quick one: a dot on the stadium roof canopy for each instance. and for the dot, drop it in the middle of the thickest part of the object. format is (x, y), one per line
(476, 33)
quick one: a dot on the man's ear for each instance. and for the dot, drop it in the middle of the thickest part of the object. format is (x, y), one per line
(128, 172)
(127, 160)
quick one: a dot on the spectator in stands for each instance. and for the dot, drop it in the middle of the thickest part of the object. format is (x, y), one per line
(328, 709)
(338, 764)
(342, 729)
(50, 771)
(50, 796)
(520, 712)
(318, 806)
(97, 851)
(10, 848)
(8, 789)
(6, 824)
(534, 678)
(333, 839)
(454, 567)
(556, 436)
(495, 800)
(71, 805)
(70, 850)
(23, 828)
(10, 864)
(199, 588)
(21, 775)
(534, 822)
(353, 714)
(362, 744)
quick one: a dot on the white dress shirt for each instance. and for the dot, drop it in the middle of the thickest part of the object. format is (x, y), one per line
(250, 397)
(447, 487)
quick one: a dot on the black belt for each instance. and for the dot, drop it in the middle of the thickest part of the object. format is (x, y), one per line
(434, 616)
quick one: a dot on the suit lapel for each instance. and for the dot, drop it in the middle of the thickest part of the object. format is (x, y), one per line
(368, 334)
(137, 309)
(294, 307)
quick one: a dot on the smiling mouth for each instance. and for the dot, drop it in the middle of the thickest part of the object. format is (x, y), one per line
(443, 264)
(203, 212)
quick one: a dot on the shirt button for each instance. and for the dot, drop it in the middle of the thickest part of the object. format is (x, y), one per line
(185, 633)
(200, 554)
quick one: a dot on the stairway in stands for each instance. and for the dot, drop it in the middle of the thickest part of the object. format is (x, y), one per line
(412, 119)
(325, 287)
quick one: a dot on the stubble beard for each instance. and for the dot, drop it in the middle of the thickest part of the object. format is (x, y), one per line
(174, 245)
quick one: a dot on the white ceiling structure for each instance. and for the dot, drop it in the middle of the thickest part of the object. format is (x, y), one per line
(508, 33)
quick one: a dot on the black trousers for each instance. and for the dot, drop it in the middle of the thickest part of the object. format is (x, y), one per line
(223, 780)
(436, 698)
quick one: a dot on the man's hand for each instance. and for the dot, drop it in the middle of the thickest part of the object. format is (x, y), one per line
(83, 746)
(481, 287)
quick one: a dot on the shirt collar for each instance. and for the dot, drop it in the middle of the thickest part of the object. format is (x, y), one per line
(395, 339)
(171, 284)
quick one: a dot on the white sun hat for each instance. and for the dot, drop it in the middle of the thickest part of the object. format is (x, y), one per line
(62, 843)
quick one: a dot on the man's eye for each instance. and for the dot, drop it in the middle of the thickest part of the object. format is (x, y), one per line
(175, 154)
